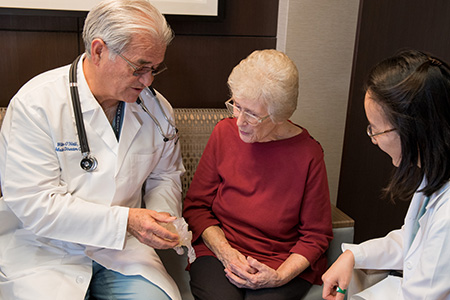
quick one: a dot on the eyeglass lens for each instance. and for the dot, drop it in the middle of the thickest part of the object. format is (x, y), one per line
(236, 111)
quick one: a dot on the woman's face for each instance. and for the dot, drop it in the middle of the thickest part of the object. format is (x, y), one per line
(264, 131)
(389, 142)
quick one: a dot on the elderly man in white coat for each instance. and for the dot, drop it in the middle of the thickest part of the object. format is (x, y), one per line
(81, 147)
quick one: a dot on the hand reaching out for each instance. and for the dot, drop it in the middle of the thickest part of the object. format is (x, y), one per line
(338, 275)
(143, 224)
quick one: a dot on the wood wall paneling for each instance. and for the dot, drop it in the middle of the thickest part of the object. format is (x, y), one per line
(199, 67)
(26, 54)
(34, 41)
(244, 18)
(203, 53)
(39, 20)
(384, 27)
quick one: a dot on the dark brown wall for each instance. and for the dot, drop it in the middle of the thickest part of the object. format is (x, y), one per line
(203, 54)
(385, 26)
(199, 59)
(31, 44)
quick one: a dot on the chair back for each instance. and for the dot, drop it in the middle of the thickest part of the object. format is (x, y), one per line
(195, 126)
(2, 114)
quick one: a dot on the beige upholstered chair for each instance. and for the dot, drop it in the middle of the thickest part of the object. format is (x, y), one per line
(195, 126)
(2, 114)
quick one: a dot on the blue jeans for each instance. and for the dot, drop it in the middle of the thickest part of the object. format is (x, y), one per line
(110, 285)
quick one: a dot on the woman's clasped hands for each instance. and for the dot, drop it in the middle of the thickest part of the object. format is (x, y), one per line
(247, 272)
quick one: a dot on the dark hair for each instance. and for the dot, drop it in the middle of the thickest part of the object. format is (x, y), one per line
(413, 88)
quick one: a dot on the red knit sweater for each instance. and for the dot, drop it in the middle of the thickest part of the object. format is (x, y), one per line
(270, 199)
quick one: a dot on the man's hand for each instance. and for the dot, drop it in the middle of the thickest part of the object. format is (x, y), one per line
(143, 224)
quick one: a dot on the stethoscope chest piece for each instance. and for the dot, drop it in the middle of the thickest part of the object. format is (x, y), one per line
(88, 163)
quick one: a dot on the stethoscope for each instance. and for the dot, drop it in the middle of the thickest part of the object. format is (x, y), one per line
(89, 162)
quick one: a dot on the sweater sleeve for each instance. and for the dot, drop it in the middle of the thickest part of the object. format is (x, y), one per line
(315, 228)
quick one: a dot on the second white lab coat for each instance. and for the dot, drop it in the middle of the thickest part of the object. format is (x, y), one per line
(55, 217)
(425, 263)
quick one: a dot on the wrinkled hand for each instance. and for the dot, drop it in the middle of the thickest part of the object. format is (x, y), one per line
(215, 240)
(262, 276)
(338, 275)
(143, 224)
(233, 259)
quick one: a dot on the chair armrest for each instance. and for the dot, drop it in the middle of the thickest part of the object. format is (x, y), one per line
(343, 231)
(340, 219)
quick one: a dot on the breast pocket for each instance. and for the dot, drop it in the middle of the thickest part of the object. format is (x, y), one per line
(141, 165)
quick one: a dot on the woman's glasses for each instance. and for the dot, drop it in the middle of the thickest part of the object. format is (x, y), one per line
(371, 134)
(235, 111)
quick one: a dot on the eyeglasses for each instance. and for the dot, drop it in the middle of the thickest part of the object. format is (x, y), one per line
(372, 135)
(248, 117)
(139, 71)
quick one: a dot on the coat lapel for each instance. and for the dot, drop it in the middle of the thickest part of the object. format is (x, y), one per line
(98, 123)
(94, 118)
(132, 123)
(423, 220)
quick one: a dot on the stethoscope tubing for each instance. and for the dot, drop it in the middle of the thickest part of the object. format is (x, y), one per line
(88, 163)
(152, 93)
(77, 108)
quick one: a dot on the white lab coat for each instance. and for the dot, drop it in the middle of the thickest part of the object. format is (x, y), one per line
(425, 264)
(55, 217)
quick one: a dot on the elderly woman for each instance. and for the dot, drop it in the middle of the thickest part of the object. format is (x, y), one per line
(407, 104)
(258, 205)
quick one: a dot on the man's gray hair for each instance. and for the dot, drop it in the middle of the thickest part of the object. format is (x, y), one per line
(117, 22)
